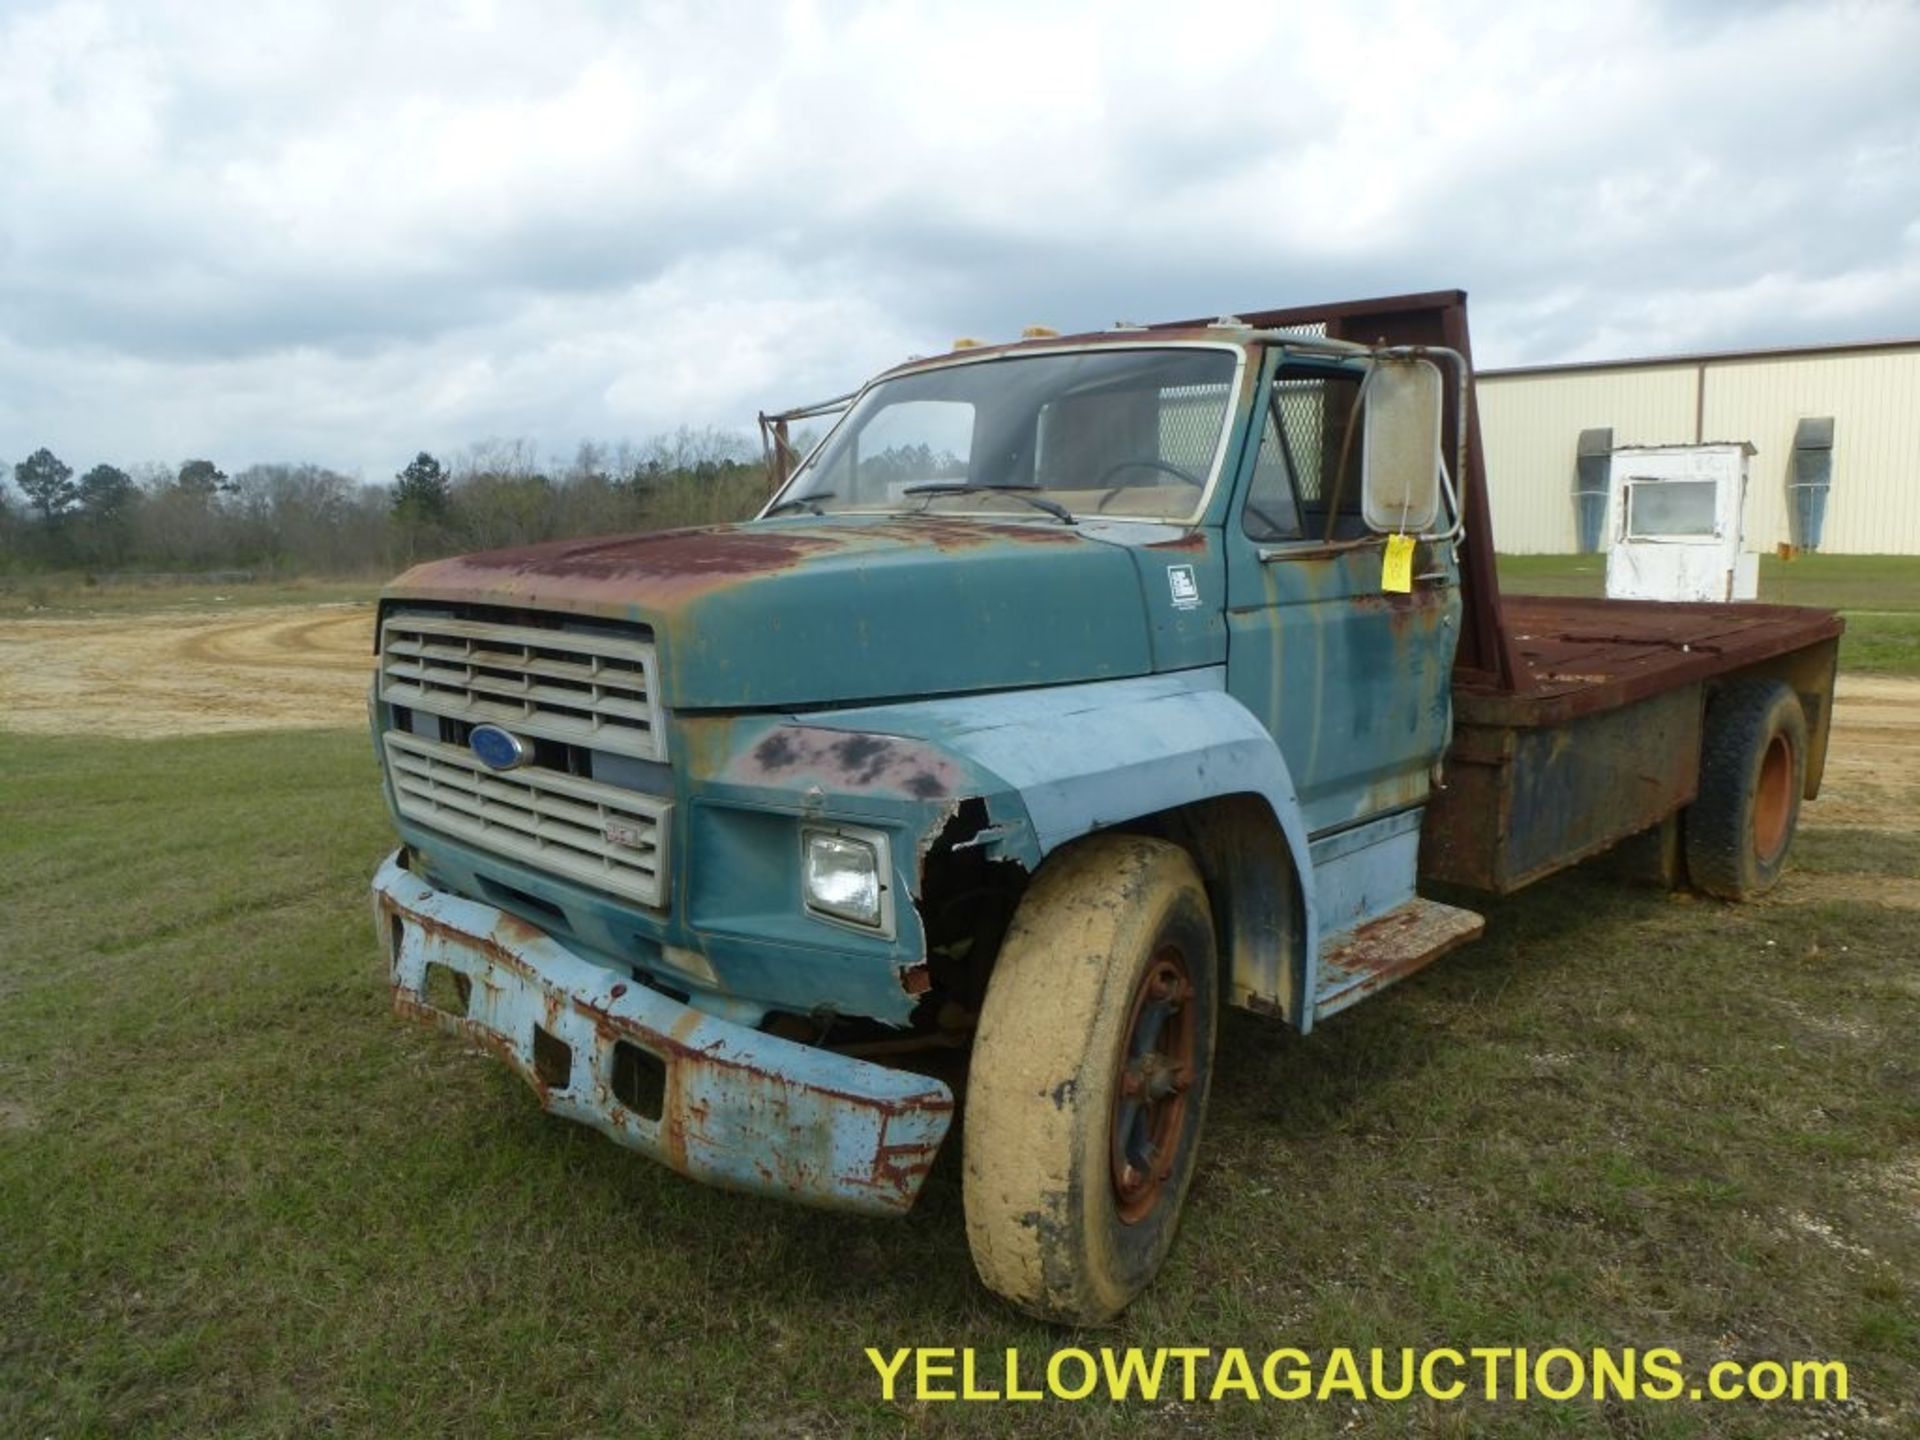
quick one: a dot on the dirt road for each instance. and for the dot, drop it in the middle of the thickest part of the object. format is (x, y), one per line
(148, 676)
(307, 666)
(1873, 759)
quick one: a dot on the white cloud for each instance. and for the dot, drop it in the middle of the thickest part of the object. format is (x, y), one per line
(344, 232)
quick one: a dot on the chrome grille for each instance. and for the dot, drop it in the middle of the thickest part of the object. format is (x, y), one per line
(584, 689)
(611, 839)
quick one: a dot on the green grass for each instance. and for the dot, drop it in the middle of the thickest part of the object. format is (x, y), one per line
(1881, 644)
(1858, 852)
(62, 596)
(237, 1196)
(1878, 594)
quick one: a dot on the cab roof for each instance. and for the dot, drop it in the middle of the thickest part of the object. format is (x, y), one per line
(1237, 334)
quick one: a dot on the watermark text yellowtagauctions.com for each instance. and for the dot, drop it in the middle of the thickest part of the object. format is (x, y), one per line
(1199, 1372)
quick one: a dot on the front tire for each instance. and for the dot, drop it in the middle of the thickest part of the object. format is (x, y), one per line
(1089, 1080)
(1753, 768)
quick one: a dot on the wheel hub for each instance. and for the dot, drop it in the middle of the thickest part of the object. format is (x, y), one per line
(1150, 1106)
(1773, 799)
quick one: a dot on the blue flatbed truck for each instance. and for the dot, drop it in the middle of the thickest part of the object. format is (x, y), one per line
(1064, 693)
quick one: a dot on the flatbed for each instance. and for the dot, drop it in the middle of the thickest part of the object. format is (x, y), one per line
(1577, 655)
(1596, 738)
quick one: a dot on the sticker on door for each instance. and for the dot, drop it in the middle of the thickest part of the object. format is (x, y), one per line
(1186, 590)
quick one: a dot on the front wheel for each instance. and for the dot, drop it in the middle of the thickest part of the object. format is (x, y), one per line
(1089, 1080)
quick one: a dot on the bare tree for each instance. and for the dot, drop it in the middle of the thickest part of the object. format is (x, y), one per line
(501, 496)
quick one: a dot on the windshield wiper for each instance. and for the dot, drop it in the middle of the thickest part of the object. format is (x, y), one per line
(810, 503)
(1023, 492)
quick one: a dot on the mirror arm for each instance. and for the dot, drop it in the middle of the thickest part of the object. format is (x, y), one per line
(1346, 450)
(1455, 531)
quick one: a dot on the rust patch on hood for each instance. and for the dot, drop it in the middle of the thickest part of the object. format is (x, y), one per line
(957, 532)
(658, 570)
(607, 575)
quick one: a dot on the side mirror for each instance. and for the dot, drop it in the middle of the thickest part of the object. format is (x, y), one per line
(1400, 460)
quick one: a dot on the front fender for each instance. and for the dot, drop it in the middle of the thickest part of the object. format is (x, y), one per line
(1074, 759)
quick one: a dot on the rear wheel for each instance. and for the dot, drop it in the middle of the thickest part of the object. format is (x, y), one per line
(1753, 767)
(1089, 1078)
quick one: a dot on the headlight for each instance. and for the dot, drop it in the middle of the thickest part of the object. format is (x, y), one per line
(844, 875)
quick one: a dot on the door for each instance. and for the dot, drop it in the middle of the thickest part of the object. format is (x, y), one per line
(1352, 682)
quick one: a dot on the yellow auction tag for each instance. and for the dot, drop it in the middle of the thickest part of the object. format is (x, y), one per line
(1396, 570)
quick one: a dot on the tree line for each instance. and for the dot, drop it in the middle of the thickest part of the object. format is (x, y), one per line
(306, 519)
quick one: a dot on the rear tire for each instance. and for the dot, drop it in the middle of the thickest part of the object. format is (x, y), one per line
(1753, 767)
(1089, 1080)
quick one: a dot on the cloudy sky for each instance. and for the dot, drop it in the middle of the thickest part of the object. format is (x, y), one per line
(342, 233)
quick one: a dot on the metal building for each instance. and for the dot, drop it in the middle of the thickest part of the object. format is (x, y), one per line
(1835, 431)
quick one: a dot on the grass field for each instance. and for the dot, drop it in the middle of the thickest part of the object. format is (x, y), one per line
(63, 596)
(238, 1197)
(1879, 595)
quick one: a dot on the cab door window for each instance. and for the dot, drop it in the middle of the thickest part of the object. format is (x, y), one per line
(1307, 474)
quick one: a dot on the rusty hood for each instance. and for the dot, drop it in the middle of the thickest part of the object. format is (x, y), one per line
(795, 613)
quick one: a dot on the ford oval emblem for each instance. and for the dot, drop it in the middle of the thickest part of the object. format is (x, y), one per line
(498, 749)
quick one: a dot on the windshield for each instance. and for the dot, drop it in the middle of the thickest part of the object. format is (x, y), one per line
(1124, 433)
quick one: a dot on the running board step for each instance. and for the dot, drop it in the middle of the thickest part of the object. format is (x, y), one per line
(1356, 964)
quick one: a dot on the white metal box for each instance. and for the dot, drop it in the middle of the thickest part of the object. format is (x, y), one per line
(1675, 522)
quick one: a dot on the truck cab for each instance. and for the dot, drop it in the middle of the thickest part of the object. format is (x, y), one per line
(1065, 692)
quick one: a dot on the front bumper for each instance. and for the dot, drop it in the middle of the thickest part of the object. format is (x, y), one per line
(736, 1108)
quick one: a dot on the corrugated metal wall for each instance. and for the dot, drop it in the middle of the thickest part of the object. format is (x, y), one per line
(1532, 422)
